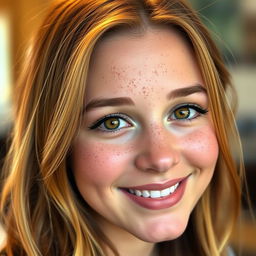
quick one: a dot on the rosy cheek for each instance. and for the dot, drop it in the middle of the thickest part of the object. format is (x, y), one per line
(97, 162)
(201, 147)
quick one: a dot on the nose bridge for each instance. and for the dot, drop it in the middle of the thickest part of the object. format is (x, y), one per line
(158, 150)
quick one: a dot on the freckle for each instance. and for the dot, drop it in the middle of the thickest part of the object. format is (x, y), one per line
(129, 149)
(117, 153)
(155, 72)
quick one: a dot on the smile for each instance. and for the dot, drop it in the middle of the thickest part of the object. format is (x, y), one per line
(157, 196)
(154, 193)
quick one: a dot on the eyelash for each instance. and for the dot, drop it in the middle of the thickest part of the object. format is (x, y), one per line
(101, 121)
(119, 116)
(199, 111)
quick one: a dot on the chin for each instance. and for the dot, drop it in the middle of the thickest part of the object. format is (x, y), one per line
(161, 233)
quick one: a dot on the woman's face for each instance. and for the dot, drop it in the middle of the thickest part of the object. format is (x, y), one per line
(147, 149)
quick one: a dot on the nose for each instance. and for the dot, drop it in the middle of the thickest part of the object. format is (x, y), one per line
(158, 153)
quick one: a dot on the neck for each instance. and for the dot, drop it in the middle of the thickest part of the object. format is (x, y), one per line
(125, 243)
(134, 250)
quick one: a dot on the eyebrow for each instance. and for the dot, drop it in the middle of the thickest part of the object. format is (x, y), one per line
(96, 103)
(120, 101)
(183, 92)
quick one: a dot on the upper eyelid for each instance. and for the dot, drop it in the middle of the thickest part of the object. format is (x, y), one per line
(125, 117)
(185, 105)
(198, 108)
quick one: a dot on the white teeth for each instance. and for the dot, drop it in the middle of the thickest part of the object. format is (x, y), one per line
(131, 191)
(172, 189)
(155, 193)
(138, 193)
(145, 193)
(165, 192)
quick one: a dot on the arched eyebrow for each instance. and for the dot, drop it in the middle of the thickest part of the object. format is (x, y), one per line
(96, 103)
(183, 92)
(119, 101)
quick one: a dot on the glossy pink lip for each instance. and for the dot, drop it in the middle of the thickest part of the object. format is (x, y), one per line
(161, 202)
(158, 186)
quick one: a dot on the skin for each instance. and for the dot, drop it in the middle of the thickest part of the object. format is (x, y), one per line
(153, 146)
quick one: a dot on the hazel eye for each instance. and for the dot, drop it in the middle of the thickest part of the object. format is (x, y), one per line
(182, 113)
(111, 123)
(187, 112)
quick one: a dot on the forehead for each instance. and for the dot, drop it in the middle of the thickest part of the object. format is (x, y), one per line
(122, 41)
(129, 60)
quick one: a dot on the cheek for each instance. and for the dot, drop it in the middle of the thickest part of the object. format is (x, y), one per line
(201, 147)
(96, 163)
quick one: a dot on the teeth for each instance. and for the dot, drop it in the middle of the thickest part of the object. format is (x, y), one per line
(172, 189)
(131, 191)
(155, 193)
(165, 192)
(138, 193)
(145, 193)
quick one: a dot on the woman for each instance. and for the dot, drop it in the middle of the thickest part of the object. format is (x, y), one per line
(121, 144)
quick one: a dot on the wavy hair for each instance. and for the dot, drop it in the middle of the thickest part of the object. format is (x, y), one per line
(41, 211)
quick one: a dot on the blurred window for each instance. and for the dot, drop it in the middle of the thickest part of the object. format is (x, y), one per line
(5, 73)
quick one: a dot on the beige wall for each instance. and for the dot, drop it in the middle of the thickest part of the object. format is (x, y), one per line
(244, 78)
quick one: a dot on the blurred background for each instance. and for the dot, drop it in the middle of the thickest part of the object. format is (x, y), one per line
(233, 26)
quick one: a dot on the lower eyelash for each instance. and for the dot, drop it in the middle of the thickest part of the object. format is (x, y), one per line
(197, 108)
(96, 124)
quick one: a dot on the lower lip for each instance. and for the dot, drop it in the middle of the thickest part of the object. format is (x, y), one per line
(162, 202)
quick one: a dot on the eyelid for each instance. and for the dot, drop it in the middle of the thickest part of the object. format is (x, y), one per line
(194, 106)
(128, 119)
(188, 104)
(97, 123)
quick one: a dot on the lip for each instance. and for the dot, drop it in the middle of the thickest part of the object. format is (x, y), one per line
(162, 202)
(158, 186)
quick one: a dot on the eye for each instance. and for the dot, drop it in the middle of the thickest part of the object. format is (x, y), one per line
(111, 123)
(187, 112)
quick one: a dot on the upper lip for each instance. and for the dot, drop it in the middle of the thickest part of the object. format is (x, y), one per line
(159, 186)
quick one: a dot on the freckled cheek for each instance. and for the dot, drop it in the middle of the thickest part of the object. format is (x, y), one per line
(96, 163)
(201, 147)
